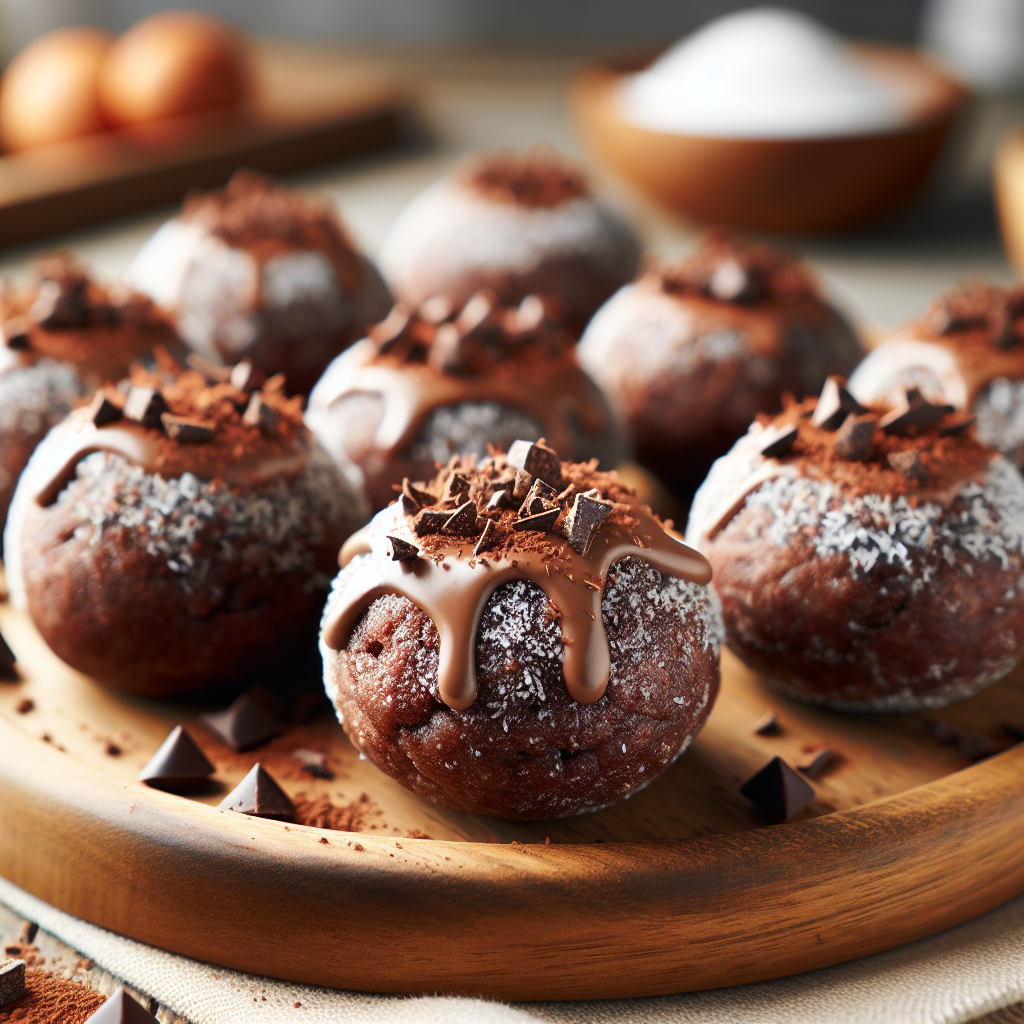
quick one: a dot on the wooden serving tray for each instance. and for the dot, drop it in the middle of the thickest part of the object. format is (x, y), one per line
(311, 106)
(682, 887)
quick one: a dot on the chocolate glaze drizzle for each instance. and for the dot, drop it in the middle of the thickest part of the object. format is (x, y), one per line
(452, 585)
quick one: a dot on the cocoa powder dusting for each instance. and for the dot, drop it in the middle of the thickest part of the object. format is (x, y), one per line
(947, 461)
(539, 179)
(319, 812)
(50, 999)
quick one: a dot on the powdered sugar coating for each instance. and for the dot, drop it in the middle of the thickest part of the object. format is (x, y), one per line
(525, 748)
(801, 548)
(35, 398)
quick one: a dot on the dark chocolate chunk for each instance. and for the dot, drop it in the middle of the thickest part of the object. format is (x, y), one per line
(178, 766)
(15, 331)
(952, 429)
(835, 404)
(522, 484)
(314, 762)
(12, 981)
(244, 725)
(909, 464)
(391, 329)
(461, 522)
(7, 662)
(817, 761)
(145, 406)
(60, 305)
(545, 521)
(214, 373)
(539, 498)
(121, 1008)
(420, 499)
(856, 438)
(430, 520)
(537, 460)
(402, 550)
(778, 790)
(259, 796)
(499, 499)
(780, 444)
(186, 431)
(103, 411)
(456, 487)
(259, 414)
(247, 376)
(914, 411)
(767, 725)
(487, 539)
(584, 519)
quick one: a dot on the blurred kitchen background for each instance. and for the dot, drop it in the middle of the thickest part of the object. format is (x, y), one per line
(486, 74)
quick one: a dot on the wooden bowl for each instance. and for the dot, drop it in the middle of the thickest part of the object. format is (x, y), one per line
(800, 185)
(1008, 184)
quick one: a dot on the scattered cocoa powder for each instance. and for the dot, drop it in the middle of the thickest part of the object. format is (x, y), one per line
(319, 812)
(50, 999)
(539, 178)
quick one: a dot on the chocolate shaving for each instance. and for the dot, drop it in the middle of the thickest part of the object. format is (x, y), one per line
(103, 411)
(456, 487)
(259, 414)
(402, 550)
(213, 373)
(767, 725)
(835, 404)
(780, 445)
(778, 790)
(145, 406)
(856, 438)
(461, 522)
(584, 519)
(430, 520)
(487, 539)
(543, 522)
(186, 431)
(537, 460)
(259, 796)
(246, 376)
(244, 725)
(178, 766)
(909, 464)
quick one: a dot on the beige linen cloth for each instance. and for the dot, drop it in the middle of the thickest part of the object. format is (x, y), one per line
(952, 977)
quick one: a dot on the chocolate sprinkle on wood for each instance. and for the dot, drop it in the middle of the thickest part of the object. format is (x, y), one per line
(780, 445)
(244, 725)
(259, 796)
(767, 725)
(178, 766)
(402, 550)
(778, 790)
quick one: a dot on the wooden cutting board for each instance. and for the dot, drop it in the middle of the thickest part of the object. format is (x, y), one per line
(311, 106)
(682, 887)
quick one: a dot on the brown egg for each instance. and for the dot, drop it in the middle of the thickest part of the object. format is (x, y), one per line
(172, 63)
(49, 90)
